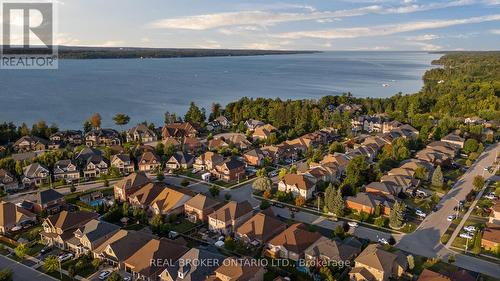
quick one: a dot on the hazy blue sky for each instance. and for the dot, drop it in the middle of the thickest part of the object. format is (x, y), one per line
(267, 24)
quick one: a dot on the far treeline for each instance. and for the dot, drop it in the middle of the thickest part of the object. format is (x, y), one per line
(467, 84)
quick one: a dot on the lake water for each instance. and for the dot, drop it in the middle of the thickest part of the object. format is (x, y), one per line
(145, 89)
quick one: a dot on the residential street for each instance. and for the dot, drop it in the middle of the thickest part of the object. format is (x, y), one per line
(23, 272)
(425, 240)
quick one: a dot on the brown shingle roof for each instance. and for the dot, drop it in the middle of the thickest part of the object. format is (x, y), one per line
(133, 180)
(232, 211)
(67, 220)
(301, 181)
(492, 233)
(295, 238)
(202, 202)
(237, 270)
(11, 214)
(261, 227)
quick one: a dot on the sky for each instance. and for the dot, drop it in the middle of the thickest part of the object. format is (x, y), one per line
(290, 25)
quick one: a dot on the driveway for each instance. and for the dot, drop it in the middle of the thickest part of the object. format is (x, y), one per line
(23, 272)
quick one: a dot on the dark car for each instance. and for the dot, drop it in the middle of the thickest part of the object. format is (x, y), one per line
(45, 250)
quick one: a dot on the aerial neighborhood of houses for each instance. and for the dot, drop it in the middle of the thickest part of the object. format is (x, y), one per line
(107, 202)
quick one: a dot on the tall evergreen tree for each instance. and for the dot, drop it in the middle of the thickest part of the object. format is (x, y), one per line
(437, 177)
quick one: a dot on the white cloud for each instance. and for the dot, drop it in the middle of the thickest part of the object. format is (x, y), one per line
(495, 31)
(427, 46)
(112, 43)
(271, 17)
(382, 30)
(210, 44)
(424, 37)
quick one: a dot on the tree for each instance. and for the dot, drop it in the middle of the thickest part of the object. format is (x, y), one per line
(478, 182)
(282, 173)
(471, 145)
(421, 173)
(194, 114)
(264, 204)
(437, 177)
(159, 175)
(300, 201)
(156, 223)
(114, 276)
(337, 204)
(261, 173)
(21, 250)
(339, 231)
(95, 120)
(121, 119)
(125, 209)
(477, 243)
(396, 215)
(400, 149)
(19, 168)
(356, 172)
(6, 274)
(336, 147)
(51, 264)
(214, 190)
(262, 184)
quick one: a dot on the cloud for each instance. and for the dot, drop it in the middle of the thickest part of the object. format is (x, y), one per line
(427, 46)
(112, 43)
(272, 17)
(210, 44)
(495, 31)
(381, 30)
(424, 37)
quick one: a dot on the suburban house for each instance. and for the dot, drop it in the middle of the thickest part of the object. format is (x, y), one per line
(149, 162)
(207, 161)
(35, 175)
(263, 132)
(322, 173)
(390, 125)
(292, 243)
(491, 238)
(140, 263)
(49, 201)
(173, 142)
(326, 250)
(59, 228)
(454, 139)
(223, 121)
(459, 274)
(229, 170)
(123, 163)
(260, 228)
(383, 188)
(95, 166)
(90, 236)
(141, 133)
(239, 141)
(214, 126)
(170, 201)
(255, 157)
(367, 202)
(217, 143)
(192, 145)
(105, 137)
(66, 170)
(433, 157)
(180, 160)
(7, 181)
(338, 160)
(227, 218)
(130, 184)
(179, 130)
(252, 124)
(72, 137)
(187, 266)
(30, 143)
(12, 216)
(298, 185)
(377, 264)
(199, 207)
(143, 197)
(121, 246)
(236, 269)
(404, 182)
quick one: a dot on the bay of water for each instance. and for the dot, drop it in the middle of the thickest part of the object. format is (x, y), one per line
(145, 89)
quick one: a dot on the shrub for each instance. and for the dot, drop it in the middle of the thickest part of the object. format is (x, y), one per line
(380, 221)
(445, 238)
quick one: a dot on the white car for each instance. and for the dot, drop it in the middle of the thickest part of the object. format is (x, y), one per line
(383, 241)
(450, 218)
(194, 171)
(466, 235)
(352, 224)
(419, 213)
(104, 274)
(16, 228)
(490, 196)
(470, 228)
(65, 257)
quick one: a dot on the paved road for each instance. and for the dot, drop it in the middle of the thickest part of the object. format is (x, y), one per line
(23, 272)
(425, 240)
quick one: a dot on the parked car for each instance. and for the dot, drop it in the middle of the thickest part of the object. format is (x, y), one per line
(470, 228)
(16, 228)
(65, 257)
(466, 235)
(450, 218)
(420, 213)
(273, 174)
(352, 224)
(45, 250)
(490, 196)
(279, 205)
(104, 274)
(383, 241)
(194, 171)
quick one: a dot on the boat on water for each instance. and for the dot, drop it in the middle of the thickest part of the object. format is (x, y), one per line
(385, 85)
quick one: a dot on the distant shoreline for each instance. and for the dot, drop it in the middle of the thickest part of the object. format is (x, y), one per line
(147, 53)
